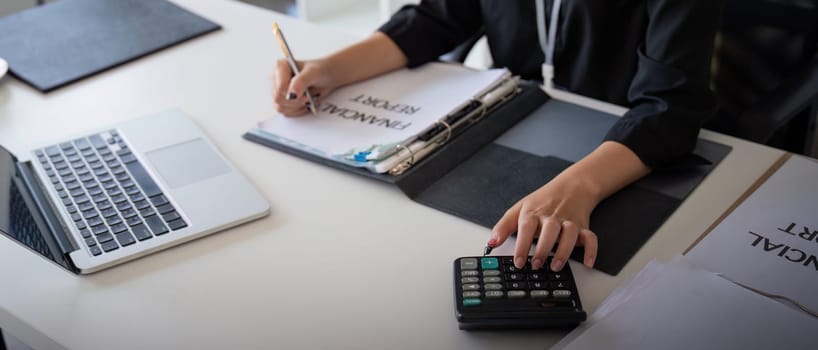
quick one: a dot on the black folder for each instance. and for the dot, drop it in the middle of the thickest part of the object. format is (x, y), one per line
(519, 146)
(58, 43)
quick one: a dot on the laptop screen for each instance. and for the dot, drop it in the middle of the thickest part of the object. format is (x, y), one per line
(19, 218)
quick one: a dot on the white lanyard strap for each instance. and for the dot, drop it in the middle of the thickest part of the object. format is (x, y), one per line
(547, 46)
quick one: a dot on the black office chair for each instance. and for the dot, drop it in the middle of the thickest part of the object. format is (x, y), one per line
(765, 73)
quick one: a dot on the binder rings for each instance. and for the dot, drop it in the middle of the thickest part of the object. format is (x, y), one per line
(58, 43)
(519, 146)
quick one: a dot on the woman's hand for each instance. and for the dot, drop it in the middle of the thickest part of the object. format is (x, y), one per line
(372, 56)
(289, 93)
(559, 212)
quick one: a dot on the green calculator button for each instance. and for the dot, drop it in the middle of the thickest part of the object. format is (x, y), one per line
(489, 263)
(471, 302)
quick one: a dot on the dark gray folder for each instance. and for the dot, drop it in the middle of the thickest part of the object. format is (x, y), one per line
(522, 144)
(56, 44)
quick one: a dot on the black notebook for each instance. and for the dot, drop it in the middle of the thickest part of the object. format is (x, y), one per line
(522, 144)
(56, 44)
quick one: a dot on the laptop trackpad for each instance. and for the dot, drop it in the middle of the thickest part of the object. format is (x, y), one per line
(186, 163)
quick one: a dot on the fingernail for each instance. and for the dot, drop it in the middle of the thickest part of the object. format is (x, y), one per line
(492, 242)
(291, 96)
(556, 265)
(589, 261)
(519, 262)
(536, 263)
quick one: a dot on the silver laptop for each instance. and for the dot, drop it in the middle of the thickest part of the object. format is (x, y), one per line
(100, 199)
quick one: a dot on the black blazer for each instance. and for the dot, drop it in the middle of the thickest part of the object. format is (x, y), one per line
(652, 56)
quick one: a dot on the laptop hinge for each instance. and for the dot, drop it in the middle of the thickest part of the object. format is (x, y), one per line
(53, 223)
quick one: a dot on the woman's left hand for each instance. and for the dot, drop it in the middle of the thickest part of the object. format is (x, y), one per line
(557, 212)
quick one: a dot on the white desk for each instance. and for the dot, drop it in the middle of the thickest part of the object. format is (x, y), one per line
(342, 262)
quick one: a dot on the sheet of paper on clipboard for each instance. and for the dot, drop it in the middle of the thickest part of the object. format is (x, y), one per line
(369, 123)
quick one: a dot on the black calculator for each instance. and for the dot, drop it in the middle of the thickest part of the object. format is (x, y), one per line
(489, 292)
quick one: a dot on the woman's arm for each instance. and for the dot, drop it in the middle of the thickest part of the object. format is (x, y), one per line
(669, 98)
(670, 93)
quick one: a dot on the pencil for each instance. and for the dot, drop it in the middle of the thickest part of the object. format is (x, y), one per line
(288, 55)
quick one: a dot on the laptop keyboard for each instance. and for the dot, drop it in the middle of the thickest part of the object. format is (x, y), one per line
(112, 200)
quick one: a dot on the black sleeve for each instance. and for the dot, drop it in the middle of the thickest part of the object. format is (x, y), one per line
(434, 27)
(670, 94)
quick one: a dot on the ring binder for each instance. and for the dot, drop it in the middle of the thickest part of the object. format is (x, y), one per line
(362, 124)
(355, 112)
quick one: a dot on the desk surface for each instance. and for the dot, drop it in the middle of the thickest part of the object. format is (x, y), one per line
(342, 262)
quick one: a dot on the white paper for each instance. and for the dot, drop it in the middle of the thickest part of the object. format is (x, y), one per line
(619, 296)
(752, 245)
(684, 307)
(386, 109)
(3, 67)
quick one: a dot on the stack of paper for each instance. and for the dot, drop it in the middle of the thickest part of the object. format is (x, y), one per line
(362, 123)
(754, 284)
(679, 306)
(770, 241)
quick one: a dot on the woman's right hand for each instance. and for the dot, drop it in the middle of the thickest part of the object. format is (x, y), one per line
(289, 95)
(351, 64)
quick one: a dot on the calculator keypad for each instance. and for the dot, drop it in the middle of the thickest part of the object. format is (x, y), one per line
(501, 279)
(487, 287)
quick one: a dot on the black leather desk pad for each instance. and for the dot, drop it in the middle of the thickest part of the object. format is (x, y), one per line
(58, 43)
(481, 188)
